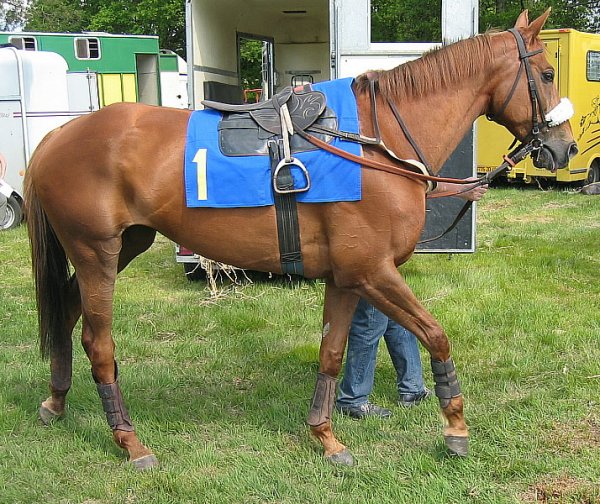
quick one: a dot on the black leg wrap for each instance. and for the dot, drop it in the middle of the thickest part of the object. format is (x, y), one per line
(113, 405)
(323, 400)
(446, 382)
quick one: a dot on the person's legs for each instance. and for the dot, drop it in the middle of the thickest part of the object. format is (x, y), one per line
(368, 325)
(404, 351)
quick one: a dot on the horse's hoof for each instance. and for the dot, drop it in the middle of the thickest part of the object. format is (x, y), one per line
(342, 458)
(47, 416)
(145, 462)
(457, 445)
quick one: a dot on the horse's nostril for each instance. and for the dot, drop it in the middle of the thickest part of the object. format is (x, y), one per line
(573, 150)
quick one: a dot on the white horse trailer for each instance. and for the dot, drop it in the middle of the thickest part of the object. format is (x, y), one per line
(312, 41)
(37, 95)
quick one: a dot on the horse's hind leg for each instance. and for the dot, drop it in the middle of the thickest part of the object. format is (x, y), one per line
(337, 316)
(96, 272)
(136, 240)
(61, 361)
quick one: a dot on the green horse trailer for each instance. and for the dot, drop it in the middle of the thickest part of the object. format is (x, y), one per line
(128, 68)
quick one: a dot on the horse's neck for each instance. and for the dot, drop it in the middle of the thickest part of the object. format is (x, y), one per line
(439, 120)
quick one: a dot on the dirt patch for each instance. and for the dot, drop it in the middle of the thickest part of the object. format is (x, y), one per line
(561, 490)
(553, 205)
(576, 436)
(539, 218)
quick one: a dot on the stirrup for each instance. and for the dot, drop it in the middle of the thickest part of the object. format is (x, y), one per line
(292, 162)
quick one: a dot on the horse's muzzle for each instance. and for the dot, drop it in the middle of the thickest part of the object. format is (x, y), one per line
(555, 155)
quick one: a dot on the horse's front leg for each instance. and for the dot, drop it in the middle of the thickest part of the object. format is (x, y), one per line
(337, 317)
(388, 292)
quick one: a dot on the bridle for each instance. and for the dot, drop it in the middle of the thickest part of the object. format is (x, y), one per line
(534, 95)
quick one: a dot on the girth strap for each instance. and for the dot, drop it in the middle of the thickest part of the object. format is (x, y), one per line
(288, 228)
(446, 381)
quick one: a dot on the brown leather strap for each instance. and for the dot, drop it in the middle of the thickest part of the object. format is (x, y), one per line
(377, 165)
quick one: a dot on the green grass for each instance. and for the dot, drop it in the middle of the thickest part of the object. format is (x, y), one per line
(220, 389)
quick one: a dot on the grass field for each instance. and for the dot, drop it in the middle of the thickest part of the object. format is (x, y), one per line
(219, 388)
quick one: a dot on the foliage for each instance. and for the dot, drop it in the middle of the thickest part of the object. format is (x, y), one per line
(251, 54)
(220, 388)
(420, 20)
(565, 13)
(56, 16)
(11, 14)
(165, 18)
(406, 20)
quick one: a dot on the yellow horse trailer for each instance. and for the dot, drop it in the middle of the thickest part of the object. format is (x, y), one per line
(576, 59)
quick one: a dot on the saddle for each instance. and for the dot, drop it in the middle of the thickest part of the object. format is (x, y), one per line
(246, 130)
(304, 109)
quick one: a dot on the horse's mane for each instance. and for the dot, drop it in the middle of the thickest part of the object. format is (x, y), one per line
(437, 69)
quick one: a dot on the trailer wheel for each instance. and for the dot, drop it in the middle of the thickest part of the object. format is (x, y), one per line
(593, 173)
(193, 271)
(13, 215)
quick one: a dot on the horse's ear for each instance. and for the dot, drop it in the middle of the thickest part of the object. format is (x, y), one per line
(533, 30)
(523, 20)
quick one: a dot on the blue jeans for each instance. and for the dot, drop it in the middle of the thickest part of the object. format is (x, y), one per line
(368, 325)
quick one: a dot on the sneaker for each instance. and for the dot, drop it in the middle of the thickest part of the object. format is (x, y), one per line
(367, 409)
(410, 400)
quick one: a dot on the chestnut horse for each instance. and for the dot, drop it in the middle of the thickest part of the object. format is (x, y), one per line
(100, 187)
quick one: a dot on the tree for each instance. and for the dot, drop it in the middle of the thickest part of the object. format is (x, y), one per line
(565, 13)
(251, 55)
(56, 16)
(165, 18)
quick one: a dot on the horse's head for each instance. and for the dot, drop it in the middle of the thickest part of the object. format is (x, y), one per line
(528, 104)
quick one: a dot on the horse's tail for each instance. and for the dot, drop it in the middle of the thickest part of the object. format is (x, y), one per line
(50, 272)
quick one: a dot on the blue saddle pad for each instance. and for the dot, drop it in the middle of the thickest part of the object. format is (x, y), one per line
(218, 181)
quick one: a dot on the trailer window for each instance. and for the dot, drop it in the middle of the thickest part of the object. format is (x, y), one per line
(87, 48)
(593, 66)
(24, 43)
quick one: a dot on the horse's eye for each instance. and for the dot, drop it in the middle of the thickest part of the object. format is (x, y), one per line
(548, 75)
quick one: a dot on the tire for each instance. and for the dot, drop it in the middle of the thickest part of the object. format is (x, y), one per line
(193, 271)
(593, 174)
(13, 215)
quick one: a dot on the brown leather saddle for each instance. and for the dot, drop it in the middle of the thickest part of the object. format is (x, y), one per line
(245, 130)
(304, 108)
